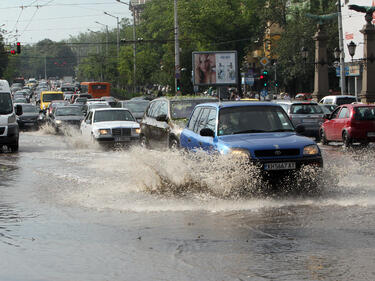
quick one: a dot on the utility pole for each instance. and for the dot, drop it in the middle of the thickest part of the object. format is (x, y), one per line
(106, 37)
(342, 53)
(45, 68)
(176, 46)
(118, 33)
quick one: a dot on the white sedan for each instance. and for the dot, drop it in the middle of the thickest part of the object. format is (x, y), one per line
(110, 126)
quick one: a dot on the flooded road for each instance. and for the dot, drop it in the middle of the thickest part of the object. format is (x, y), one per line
(71, 211)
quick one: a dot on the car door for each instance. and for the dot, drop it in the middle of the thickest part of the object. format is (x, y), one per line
(329, 125)
(207, 120)
(161, 129)
(340, 122)
(86, 125)
(148, 122)
(189, 139)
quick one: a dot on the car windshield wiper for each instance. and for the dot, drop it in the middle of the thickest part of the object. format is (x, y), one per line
(249, 131)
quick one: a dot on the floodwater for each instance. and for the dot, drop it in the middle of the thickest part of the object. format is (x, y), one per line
(72, 211)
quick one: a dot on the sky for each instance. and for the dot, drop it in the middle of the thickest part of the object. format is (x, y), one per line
(30, 21)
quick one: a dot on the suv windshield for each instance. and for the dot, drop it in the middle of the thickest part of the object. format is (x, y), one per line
(68, 111)
(182, 109)
(30, 109)
(51, 97)
(253, 119)
(305, 109)
(364, 113)
(136, 106)
(5, 103)
(113, 115)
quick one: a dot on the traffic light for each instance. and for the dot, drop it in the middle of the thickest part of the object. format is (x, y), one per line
(265, 78)
(18, 48)
(178, 85)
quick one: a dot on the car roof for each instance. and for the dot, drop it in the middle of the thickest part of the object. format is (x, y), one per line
(228, 104)
(186, 98)
(108, 108)
(359, 105)
(340, 96)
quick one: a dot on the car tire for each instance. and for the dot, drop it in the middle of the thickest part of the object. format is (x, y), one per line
(347, 141)
(323, 138)
(14, 147)
(174, 143)
(144, 142)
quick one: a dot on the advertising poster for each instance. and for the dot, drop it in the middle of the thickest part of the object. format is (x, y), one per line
(352, 23)
(215, 68)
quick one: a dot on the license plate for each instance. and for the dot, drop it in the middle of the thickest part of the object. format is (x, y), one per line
(309, 120)
(122, 138)
(280, 166)
(371, 134)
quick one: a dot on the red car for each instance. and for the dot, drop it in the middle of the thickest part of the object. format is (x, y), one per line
(349, 123)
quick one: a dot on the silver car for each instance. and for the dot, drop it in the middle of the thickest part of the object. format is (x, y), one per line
(308, 114)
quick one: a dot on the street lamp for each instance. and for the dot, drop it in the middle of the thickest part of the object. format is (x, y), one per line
(351, 47)
(118, 33)
(106, 40)
(134, 44)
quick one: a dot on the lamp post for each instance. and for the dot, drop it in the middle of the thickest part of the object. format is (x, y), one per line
(134, 44)
(106, 40)
(352, 47)
(304, 53)
(118, 33)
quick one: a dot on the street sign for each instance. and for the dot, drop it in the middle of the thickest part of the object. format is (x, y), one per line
(350, 70)
(264, 61)
(264, 93)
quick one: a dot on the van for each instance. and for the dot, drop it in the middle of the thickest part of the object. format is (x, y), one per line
(47, 96)
(9, 131)
(338, 100)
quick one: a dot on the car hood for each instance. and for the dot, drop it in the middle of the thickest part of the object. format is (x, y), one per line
(116, 124)
(69, 118)
(266, 141)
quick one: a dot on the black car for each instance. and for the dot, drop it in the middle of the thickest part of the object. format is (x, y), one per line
(64, 116)
(30, 116)
(165, 118)
(136, 107)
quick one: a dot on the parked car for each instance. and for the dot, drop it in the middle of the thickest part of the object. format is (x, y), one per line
(111, 126)
(165, 119)
(308, 114)
(259, 131)
(350, 123)
(136, 107)
(338, 100)
(29, 117)
(64, 116)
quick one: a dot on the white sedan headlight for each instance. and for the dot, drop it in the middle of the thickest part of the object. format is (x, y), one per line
(311, 150)
(104, 132)
(58, 122)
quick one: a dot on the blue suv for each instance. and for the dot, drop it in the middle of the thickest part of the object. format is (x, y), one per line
(260, 131)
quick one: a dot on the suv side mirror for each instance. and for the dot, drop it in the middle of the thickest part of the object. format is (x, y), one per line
(162, 118)
(327, 116)
(300, 129)
(206, 132)
(19, 110)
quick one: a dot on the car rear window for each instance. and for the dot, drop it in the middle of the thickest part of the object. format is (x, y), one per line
(345, 100)
(364, 113)
(305, 109)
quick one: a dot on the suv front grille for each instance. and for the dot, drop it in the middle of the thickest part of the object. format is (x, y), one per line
(276, 152)
(121, 132)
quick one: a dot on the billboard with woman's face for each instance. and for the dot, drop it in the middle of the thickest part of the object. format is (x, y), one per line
(215, 68)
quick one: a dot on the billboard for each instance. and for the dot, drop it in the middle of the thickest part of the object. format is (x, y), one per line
(352, 23)
(215, 68)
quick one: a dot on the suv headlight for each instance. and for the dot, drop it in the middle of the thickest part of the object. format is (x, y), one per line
(311, 150)
(136, 131)
(104, 132)
(240, 153)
